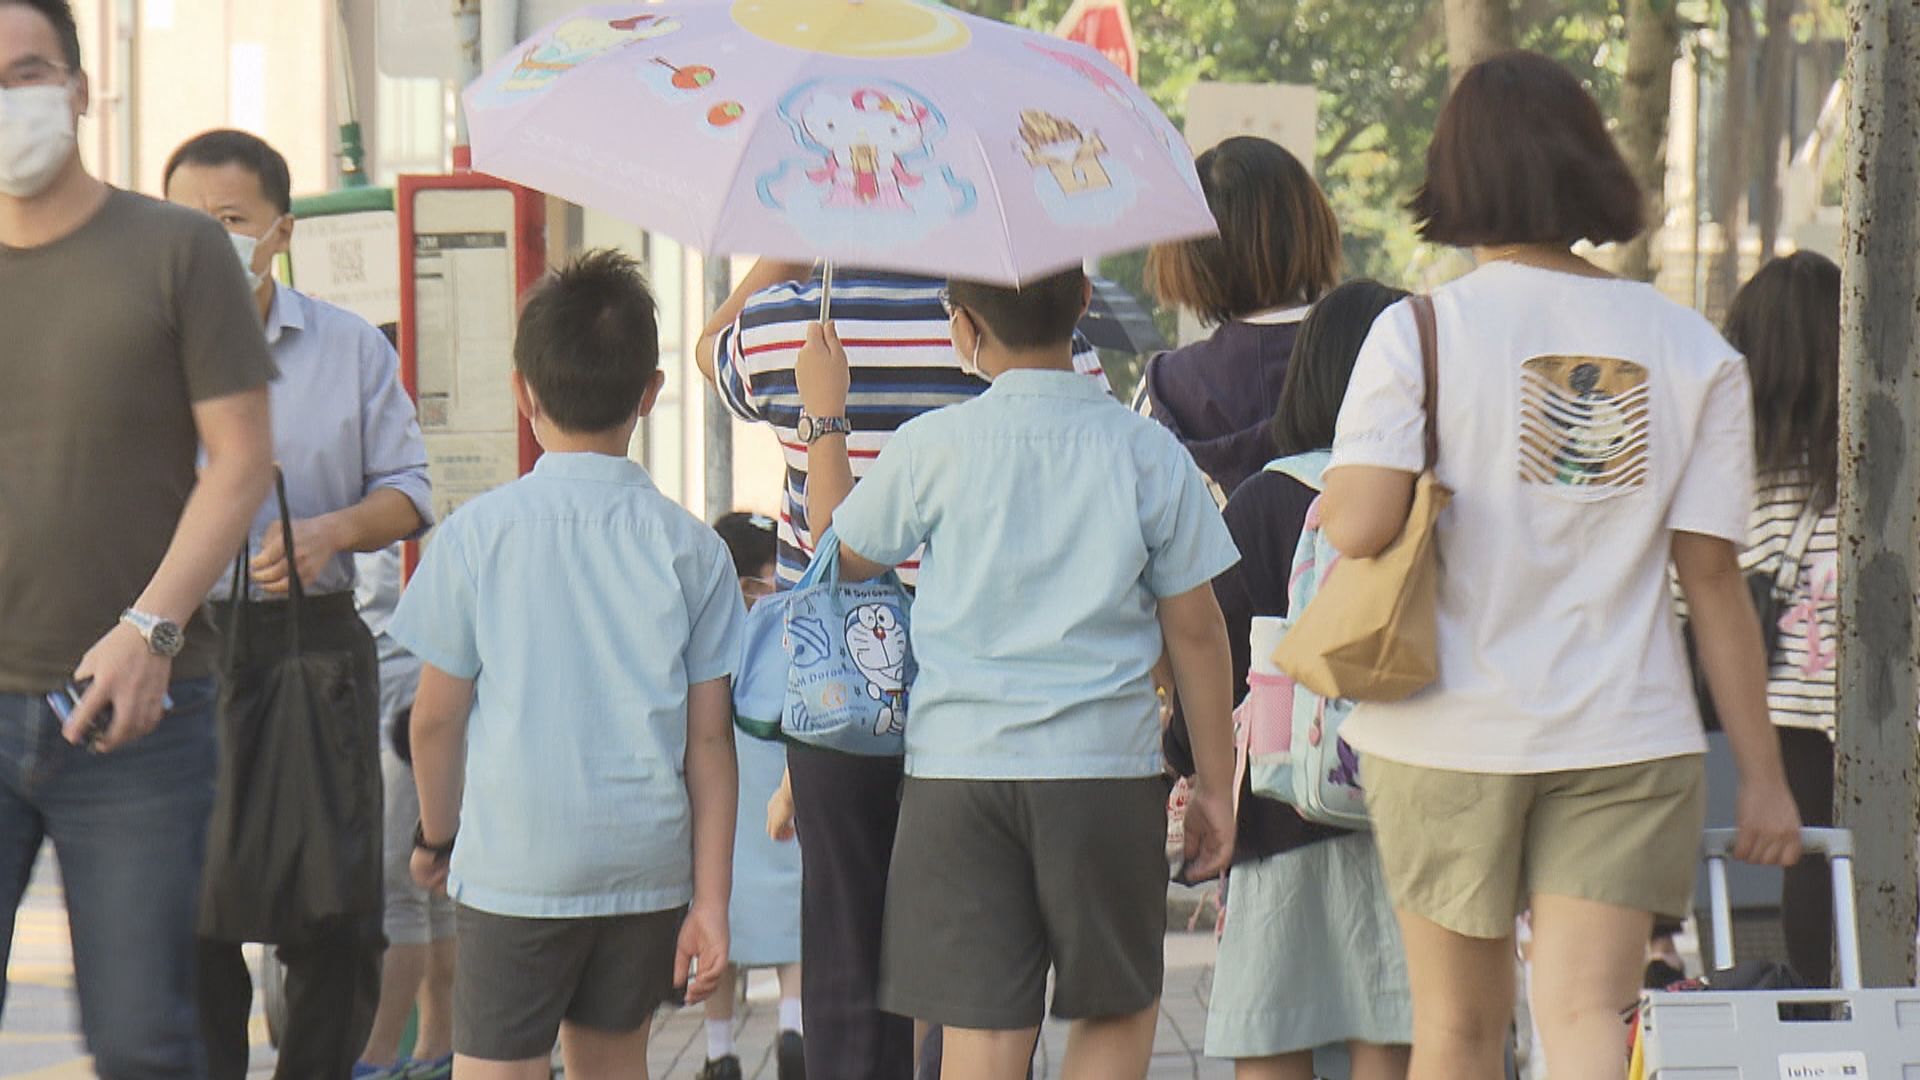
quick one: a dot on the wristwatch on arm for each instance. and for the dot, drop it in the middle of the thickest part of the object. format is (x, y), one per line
(421, 843)
(812, 429)
(163, 636)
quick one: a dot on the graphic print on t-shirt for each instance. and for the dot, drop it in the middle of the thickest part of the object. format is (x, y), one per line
(1583, 424)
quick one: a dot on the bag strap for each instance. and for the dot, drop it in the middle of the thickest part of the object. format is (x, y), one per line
(1423, 317)
(826, 561)
(1795, 555)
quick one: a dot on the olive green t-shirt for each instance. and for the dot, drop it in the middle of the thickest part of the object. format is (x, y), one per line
(108, 337)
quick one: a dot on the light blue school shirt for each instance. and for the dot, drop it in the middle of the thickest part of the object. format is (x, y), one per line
(343, 426)
(583, 603)
(1054, 519)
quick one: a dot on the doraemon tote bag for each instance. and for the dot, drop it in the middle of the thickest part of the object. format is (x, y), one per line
(850, 663)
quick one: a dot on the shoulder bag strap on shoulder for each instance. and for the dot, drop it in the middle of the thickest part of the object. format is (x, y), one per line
(1787, 575)
(1423, 317)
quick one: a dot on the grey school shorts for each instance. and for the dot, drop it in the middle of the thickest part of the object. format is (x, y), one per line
(515, 980)
(413, 915)
(996, 881)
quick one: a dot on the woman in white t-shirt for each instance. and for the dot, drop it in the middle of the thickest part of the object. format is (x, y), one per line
(1787, 322)
(1592, 431)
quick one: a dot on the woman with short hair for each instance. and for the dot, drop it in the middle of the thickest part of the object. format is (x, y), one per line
(1278, 251)
(1593, 433)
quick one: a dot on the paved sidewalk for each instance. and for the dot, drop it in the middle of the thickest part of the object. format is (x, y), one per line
(38, 1040)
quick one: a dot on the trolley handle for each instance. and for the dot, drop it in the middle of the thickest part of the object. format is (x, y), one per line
(1837, 846)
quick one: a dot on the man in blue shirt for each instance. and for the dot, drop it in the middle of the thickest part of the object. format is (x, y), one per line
(349, 446)
(1066, 543)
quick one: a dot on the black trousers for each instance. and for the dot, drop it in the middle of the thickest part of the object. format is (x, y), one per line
(846, 809)
(332, 966)
(333, 988)
(1806, 896)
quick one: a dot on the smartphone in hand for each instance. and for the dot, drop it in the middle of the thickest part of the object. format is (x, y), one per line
(66, 699)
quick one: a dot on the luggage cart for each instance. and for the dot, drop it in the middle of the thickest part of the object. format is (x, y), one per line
(1849, 1033)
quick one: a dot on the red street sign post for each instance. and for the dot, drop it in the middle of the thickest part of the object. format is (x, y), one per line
(1103, 24)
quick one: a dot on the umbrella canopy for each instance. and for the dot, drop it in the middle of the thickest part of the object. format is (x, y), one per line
(893, 134)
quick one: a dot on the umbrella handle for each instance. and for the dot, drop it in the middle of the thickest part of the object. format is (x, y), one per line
(826, 289)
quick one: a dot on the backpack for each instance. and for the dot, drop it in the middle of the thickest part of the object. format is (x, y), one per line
(1289, 736)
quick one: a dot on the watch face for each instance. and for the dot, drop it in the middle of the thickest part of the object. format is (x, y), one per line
(167, 639)
(804, 429)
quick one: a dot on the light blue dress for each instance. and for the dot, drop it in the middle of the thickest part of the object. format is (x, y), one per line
(764, 915)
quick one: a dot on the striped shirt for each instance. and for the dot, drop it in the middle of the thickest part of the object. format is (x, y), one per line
(901, 364)
(1800, 684)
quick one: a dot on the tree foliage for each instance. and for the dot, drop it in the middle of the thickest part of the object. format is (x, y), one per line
(1381, 71)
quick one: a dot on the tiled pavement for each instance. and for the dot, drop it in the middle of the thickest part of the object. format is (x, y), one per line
(37, 1040)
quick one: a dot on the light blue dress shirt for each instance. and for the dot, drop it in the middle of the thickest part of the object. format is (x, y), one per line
(583, 603)
(1054, 520)
(343, 426)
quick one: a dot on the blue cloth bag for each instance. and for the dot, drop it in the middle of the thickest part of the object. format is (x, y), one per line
(849, 661)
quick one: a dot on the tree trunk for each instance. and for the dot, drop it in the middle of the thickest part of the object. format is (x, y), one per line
(1476, 29)
(1878, 755)
(1776, 78)
(1653, 42)
(1732, 159)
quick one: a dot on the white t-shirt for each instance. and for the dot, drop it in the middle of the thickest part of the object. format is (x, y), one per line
(1582, 422)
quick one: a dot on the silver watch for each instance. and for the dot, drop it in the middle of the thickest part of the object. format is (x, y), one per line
(812, 428)
(163, 636)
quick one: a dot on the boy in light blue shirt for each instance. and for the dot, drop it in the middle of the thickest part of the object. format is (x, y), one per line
(1068, 542)
(578, 631)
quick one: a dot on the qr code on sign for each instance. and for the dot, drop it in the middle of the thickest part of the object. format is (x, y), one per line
(349, 257)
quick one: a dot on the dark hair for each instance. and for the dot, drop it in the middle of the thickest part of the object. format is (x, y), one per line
(1521, 155)
(1279, 242)
(1787, 322)
(228, 147)
(60, 14)
(589, 342)
(1322, 362)
(749, 539)
(1034, 316)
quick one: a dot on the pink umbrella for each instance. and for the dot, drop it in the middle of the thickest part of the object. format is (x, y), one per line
(894, 134)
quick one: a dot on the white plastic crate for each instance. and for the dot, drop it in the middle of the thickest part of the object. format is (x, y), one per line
(1753, 1035)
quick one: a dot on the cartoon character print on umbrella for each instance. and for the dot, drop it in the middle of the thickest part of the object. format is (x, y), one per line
(877, 641)
(1125, 95)
(1075, 178)
(576, 42)
(872, 174)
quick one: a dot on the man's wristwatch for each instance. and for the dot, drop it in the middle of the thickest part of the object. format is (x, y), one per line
(438, 851)
(163, 636)
(813, 428)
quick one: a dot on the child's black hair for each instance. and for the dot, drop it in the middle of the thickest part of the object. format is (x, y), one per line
(750, 539)
(589, 342)
(1322, 362)
(1036, 315)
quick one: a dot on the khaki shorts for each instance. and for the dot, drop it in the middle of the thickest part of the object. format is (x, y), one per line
(1468, 850)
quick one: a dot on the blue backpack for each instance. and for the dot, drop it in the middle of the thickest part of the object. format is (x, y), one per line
(1290, 736)
(850, 661)
(760, 689)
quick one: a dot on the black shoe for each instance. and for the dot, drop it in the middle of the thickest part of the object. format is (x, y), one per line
(792, 1056)
(726, 1068)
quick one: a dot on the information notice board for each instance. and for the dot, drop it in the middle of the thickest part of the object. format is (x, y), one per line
(469, 246)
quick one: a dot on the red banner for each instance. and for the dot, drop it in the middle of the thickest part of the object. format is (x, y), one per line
(1104, 25)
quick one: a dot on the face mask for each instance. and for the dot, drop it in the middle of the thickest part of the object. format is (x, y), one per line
(245, 247)
(36, 138)
(971, 364)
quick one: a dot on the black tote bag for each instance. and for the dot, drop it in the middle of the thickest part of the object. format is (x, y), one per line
(298, 796)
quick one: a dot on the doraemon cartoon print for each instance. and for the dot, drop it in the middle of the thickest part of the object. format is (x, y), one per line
(877, 641)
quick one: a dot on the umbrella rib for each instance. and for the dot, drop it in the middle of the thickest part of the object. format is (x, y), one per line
(999, 206)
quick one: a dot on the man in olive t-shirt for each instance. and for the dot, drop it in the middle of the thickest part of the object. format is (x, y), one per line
(127, 341)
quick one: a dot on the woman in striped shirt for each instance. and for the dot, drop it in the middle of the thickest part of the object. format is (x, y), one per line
(1787, 322)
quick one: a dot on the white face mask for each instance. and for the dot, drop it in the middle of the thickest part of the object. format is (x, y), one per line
(36, 138)
(246, 247)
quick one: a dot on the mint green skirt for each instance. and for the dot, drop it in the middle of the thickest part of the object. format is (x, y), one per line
(1310, 957)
